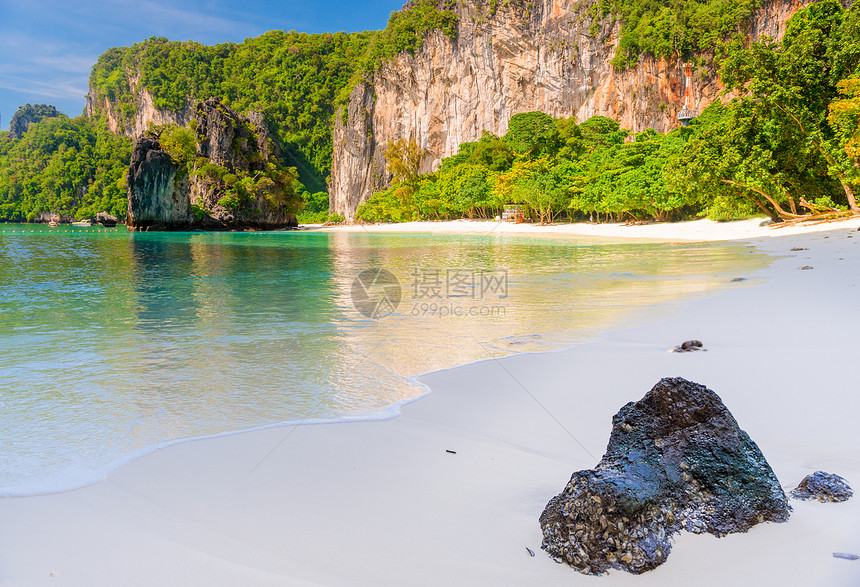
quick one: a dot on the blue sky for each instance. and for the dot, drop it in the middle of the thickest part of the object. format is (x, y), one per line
(47, 47)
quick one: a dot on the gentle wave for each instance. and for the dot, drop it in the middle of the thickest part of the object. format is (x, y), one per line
(91, 477)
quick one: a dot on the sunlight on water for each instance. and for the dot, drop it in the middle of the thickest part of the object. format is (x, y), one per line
(114, 342)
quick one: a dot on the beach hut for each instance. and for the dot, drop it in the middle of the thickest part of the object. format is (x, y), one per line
(512, 213)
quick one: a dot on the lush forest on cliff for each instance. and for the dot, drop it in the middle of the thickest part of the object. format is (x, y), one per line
(788, 147)
(691, 29)
(291, 77)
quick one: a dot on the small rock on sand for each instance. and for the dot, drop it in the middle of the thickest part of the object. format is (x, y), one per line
(823, 486)
(689, 346)
(846, 555)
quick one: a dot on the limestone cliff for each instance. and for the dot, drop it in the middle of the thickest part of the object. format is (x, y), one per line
(144, 113)
(233, 181)
(157, 199)
(537, 55)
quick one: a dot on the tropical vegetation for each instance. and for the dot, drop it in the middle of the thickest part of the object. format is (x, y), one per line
(74, 167)
(787, 146)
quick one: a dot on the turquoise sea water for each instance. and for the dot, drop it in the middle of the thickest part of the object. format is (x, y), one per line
(113, 343)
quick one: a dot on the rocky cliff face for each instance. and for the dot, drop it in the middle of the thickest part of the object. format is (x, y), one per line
(145, 111)
(539, 55)
(231, 183)
(157, 199)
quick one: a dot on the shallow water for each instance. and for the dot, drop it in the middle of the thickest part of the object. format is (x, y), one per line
(114, 342)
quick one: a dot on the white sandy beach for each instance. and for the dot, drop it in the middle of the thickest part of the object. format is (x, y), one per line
(694, 230)
(384, 503)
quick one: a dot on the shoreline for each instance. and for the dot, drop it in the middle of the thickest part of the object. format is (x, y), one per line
(382, 502)
(691, 230)
(378, 415)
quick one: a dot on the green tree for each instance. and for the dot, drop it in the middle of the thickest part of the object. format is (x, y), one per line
(668, 29)
(731, 155)
(790, 86)
(544, 188)
(180, 142)
(533, 135)
(628, 179)
(490, 151)
(404, 160)
(72, 167)
(467, 190)
(600, 131)
(844, 119)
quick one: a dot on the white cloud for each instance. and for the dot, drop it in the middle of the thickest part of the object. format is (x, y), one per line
(30, 54)
(56, 88)
(67, 63)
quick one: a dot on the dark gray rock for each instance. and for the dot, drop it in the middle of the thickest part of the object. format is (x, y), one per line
(823, 487)
(155, 200)
(105, 219)
(676, 459)
(689, 346)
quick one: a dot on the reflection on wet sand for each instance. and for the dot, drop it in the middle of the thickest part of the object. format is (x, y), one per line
(557, 293)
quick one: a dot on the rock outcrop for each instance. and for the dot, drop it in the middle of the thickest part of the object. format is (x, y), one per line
(547, 55)
(107, 220)
(822, 486)
(155, 200)
(46, 217)
(30, 114)
(233, 181)
(676, 460)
